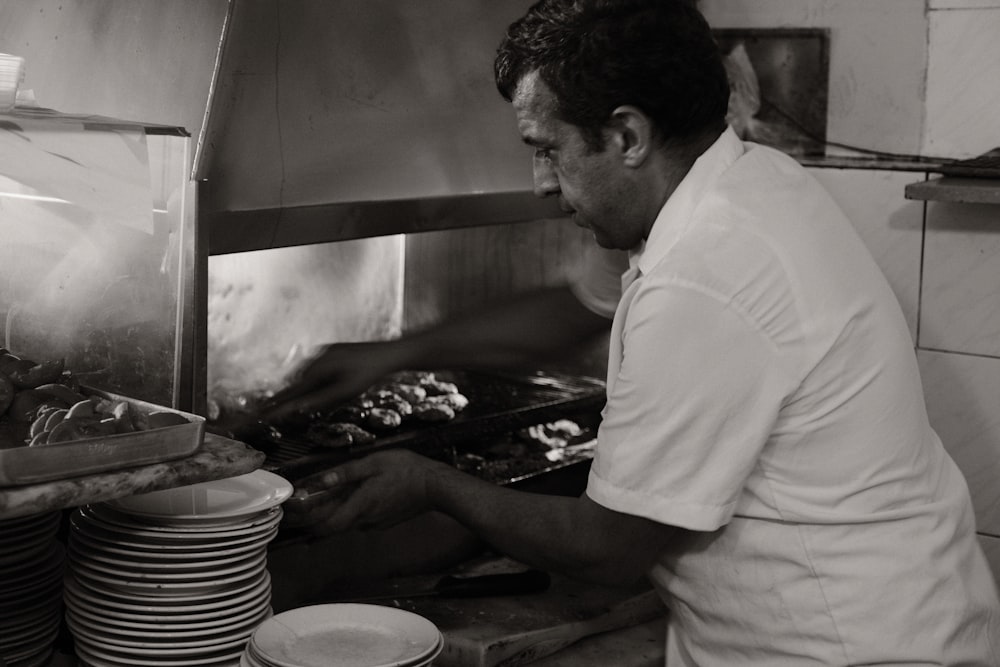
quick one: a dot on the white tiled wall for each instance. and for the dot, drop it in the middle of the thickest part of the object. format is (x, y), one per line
(959, 329)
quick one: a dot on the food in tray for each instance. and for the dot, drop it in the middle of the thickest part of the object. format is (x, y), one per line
(404, 397)
(338, 434)
(46, 404)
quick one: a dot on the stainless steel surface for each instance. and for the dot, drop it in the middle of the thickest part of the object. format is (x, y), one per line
(338, 102)
(239, 231)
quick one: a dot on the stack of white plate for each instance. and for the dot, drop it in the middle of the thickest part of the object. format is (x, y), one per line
(176, 577)
(31, 576)
(347, 635)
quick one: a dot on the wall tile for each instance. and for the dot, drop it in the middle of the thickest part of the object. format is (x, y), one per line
(877, 55)
(991, 547)
(962, 89)
(890, 225)
(963, 397)
(960, 303)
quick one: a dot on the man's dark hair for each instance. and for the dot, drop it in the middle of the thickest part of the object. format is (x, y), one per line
(596, 55)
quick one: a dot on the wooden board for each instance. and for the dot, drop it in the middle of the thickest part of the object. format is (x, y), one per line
(516, 630)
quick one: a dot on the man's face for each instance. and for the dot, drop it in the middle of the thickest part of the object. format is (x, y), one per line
(593, 186)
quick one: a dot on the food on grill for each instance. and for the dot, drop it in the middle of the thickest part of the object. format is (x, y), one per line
(352, 414)
(555, 434)
(389, 400)
(411, 393)
(433, 411)
(455, 401)
(439, 388)
(384, 419)
(339, 434)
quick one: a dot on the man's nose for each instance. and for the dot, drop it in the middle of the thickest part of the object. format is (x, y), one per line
(545, 181)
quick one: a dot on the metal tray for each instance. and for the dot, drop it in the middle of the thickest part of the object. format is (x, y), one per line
(30, 465)
(498, 404)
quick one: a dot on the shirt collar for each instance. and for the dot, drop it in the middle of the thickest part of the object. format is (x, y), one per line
(675, 216)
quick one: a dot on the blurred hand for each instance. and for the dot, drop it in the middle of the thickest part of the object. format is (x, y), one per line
(335, 374)
(376, 491)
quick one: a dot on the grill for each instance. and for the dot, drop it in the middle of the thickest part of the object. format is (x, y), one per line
(500, 404)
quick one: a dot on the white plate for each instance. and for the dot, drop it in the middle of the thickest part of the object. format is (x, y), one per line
(158, 535)
(138, 572)
(159, 625)
(30, 578)
(168, 610)
(140, 639)
(181, 544)
(149, 562)
(20, 544)
(348, 635)
(108, 514)
(162, 556)
(98, 656)
(180, 586)
(168, 598)
(233, 646)
(207, 502)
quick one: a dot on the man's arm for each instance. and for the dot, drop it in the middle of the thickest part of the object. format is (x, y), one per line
(529, 328)
(575, 536)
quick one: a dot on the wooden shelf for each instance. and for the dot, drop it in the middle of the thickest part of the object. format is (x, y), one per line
(217, 458)
(951, 189)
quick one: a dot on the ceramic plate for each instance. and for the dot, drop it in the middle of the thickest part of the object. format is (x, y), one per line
(139, 572)
(165, 556)
(152, 542)
(218, 622)
(349, 635)
(98, 656)
(108, 514)
(167, 609)
(152, 535)
(150, 562)
(178, 598)
(141, 639)
(173, 587)
(208, 502)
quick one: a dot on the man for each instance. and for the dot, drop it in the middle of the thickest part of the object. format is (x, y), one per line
(764, 456)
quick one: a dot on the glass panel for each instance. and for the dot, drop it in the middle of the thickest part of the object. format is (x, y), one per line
(91, 263)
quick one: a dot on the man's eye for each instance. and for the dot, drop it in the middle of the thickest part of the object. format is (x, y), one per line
(543, 154)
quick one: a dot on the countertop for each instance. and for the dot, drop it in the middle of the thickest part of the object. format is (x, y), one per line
(216, 458)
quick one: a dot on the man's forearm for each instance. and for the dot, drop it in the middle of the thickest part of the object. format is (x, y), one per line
(557, 533)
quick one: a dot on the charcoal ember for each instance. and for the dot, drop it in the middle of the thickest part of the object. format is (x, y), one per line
(338, 434)
(433, 411)
(383, 419)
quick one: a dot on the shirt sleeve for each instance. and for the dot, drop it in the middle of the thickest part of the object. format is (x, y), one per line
(598, 285)
(688, 414)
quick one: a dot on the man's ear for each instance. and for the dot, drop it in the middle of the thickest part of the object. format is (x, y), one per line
(632, 134)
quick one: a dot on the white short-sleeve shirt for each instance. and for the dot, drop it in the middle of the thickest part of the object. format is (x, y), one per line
(763, 394)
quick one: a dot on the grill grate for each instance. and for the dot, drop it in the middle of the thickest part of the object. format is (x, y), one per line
(499, 403)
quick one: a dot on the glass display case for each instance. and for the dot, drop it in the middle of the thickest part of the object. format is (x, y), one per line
(97, 258)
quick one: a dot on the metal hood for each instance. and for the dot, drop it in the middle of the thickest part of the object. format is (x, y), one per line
(340, 119)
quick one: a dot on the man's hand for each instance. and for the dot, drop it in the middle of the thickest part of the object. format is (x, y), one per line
(377, 491)
(333, 375)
